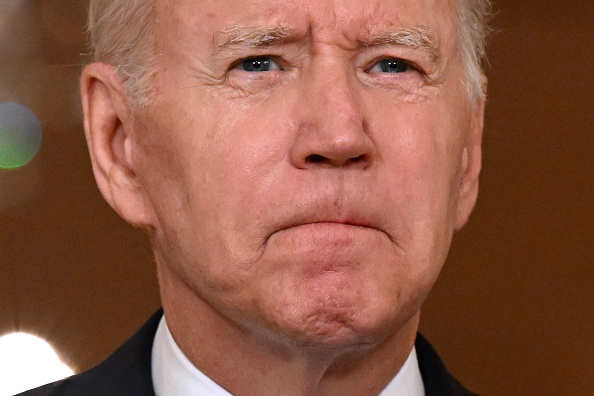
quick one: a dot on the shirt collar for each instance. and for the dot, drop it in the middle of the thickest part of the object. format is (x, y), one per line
(174, 375)
(408, 381)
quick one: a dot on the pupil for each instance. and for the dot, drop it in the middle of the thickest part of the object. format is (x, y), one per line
(394, 66)
(256, 64)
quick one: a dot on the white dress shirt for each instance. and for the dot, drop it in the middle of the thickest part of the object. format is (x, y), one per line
(174, 375)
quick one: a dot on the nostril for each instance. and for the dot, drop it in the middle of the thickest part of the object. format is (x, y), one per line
(320, 159)
(360, 158)
(315, 159)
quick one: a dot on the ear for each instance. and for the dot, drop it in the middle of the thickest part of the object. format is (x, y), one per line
(109, 124)
(471, 164)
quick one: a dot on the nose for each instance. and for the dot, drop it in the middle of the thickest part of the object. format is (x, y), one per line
(332, 130)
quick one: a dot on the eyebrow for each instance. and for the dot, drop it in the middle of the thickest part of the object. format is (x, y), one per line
(249, 37)
(417, 37)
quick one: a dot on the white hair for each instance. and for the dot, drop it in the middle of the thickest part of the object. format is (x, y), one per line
(473, 28)
(122, 34)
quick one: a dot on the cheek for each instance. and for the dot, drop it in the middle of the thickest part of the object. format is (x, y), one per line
(213, 175)
(419, 148)
(419, 145)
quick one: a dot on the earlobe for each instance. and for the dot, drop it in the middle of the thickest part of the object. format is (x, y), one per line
(471, 166)
(109, 131)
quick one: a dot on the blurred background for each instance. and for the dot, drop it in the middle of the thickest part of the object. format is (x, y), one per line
(513, 311)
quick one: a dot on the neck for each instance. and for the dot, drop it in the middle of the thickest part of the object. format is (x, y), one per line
(247, 361)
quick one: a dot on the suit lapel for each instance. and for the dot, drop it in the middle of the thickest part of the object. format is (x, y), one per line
(436, 378)
(125, 373)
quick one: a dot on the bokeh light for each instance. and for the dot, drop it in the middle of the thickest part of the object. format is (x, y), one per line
(20, 135)
(27, 362)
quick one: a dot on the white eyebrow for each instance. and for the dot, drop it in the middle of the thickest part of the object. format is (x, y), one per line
(417, 37)
(413, 37)
(250, 37)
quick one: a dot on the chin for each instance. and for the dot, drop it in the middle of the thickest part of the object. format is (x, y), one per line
(338, 322)
(326, 334)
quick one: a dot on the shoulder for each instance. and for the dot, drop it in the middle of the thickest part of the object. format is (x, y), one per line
(126, 372)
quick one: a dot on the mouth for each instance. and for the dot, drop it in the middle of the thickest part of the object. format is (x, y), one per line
(322, 223)
(328, 229)
(328, 223)
(326, 247)
(332, 226)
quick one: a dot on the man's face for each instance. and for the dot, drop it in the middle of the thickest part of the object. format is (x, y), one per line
(305, 161)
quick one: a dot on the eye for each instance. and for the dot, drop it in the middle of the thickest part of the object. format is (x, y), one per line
(258, 64)
(391, 65)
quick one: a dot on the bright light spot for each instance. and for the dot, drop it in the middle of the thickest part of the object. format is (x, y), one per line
(20, 135)
(27, 362)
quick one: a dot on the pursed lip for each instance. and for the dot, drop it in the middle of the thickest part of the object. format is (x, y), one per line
(352, 221)
(330, 213)
(358, 223)
(363, 224)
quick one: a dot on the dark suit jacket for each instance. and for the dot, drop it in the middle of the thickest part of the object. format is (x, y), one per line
(128, 371)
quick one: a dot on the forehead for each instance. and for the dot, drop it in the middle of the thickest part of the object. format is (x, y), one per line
(349, 20)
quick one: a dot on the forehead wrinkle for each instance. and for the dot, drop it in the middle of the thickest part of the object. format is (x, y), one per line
(416, 37)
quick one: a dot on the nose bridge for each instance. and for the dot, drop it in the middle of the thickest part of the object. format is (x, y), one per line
(332, 125)
(334, 94)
